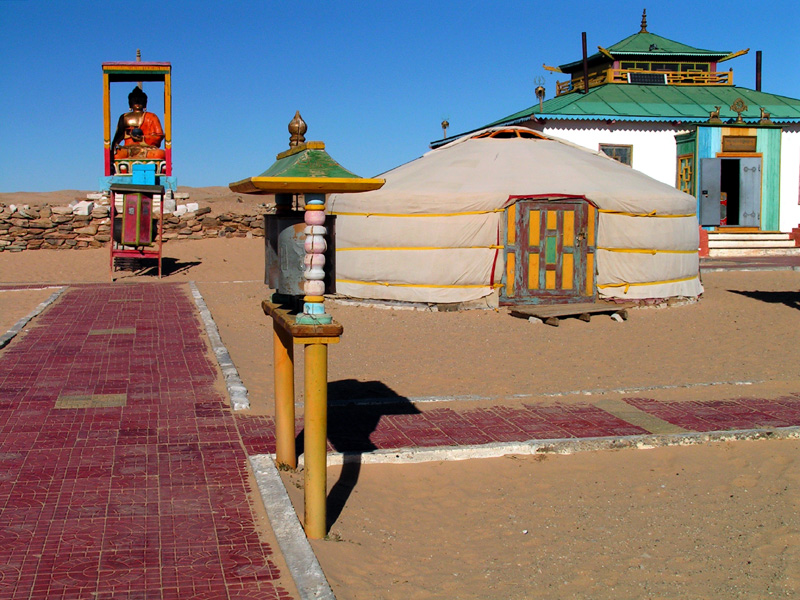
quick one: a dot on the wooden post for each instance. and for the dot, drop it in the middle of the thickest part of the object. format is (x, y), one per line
(315, 449)
(315, 338)
(285, 454)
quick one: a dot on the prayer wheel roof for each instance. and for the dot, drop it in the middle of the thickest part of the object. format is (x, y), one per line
(305, 168)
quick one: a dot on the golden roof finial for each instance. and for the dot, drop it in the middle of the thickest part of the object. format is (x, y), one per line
(644, 22)
(297, 129)
(139, 59)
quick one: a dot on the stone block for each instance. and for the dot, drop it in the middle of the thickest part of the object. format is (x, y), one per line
(88, 230)
(56, 218)
(203, 211)
(84, 207)
(192, 206)
(102, 237)
(181, 210)
(61, 210)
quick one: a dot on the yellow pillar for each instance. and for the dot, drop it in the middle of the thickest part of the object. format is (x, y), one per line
(316, 439)
(283, 350)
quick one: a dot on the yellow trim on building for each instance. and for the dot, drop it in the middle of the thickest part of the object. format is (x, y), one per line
(476, 212)
(419, 285)
(651, 214)
(648, 251)
(628, 285)
(421, 248)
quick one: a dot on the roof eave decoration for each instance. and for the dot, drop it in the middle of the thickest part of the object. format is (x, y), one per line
(734, 55)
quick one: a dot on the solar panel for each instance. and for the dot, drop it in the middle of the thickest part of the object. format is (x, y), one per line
(648, 78)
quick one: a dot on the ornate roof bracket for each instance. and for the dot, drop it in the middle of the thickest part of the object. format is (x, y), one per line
(739, 107)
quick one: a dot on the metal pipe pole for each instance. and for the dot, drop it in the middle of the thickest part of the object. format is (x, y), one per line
(283, 351)
(315, 448)
(585, 65)
(758, 70)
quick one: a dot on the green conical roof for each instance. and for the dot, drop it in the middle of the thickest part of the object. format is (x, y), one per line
(305, 168)
(309, 162)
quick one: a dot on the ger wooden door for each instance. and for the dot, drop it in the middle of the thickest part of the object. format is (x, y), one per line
(550, 252)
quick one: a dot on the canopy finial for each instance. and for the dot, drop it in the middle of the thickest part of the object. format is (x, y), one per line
(644, 22)
(297, 129)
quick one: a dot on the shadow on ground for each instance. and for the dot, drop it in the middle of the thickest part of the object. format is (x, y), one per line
(148, 267)
(354, 410)
(790, 299)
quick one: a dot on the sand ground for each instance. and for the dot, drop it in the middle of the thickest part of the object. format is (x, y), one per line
(717, 521)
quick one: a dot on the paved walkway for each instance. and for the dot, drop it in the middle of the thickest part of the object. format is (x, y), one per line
(397, 424)
(123, 473)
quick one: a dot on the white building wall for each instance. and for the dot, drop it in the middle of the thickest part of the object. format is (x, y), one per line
(790, 178)
(653, 144)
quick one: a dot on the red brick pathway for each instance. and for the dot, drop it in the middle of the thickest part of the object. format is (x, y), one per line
(122, 474)
(355, 428)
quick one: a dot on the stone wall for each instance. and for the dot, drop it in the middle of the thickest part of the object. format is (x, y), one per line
(66, 227)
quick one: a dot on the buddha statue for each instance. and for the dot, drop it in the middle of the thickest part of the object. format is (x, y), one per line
(137, 147)
(137, 118)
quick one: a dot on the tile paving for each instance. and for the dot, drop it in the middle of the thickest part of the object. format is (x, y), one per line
(122, 474)
(123, 471)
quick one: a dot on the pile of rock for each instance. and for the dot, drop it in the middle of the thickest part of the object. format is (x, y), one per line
(88, 225)
(54, 227)
(200, 223)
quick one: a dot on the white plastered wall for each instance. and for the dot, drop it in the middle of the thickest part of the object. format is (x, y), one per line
(790, 178)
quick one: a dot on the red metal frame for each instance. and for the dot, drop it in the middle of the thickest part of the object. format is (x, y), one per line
(118, 250)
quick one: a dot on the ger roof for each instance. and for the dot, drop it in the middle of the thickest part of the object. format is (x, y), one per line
(655, 103)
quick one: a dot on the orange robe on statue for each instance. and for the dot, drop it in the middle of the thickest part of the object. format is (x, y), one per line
(151, 127)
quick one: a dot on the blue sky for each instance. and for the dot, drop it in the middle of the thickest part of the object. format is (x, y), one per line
(373, 80)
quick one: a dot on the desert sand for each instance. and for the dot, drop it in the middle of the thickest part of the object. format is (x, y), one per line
(714, 521)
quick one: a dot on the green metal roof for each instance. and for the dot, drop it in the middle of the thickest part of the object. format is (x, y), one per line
(660, 103)
(653, 103)
(649, 45)
(309, 162)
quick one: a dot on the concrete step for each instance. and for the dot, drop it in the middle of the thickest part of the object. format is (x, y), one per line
(767, 235)
(717, 243)
(721, 252)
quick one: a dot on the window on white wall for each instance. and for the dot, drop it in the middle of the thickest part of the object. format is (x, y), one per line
(619, 152)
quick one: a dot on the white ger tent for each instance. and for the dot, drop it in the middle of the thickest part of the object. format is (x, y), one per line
(435, 231)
